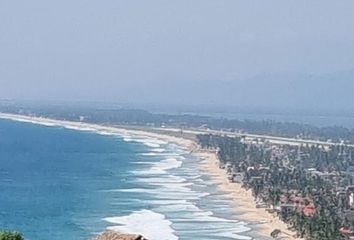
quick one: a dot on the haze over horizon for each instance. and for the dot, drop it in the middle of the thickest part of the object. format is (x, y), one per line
(261, 54)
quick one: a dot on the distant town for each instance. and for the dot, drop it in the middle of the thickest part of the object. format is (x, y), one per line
(310, 187)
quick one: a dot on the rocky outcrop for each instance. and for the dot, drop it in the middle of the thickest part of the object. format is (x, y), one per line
(109, 235)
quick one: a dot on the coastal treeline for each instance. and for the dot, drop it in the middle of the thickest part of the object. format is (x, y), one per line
(308, 187)
(136, 117)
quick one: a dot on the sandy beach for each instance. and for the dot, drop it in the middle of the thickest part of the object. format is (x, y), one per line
(186, 143)
(243, 200)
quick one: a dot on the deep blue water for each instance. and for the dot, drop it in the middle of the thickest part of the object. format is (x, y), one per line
(51, 179)
(57, 183)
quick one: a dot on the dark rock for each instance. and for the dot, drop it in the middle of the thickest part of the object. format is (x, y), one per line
(110, 235)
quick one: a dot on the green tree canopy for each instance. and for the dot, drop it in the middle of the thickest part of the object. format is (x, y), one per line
(8, 235)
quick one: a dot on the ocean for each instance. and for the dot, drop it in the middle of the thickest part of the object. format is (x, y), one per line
(59, 183)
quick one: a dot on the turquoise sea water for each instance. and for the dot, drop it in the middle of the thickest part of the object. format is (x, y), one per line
(58, 183)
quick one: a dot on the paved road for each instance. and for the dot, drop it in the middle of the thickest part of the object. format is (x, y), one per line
(271, 139)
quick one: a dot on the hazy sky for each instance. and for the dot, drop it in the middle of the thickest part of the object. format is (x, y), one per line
(258, 53)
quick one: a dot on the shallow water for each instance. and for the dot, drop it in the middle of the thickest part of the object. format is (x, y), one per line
(58, 183)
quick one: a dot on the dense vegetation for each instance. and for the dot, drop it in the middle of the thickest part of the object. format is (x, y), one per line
(7, 235)
(304, 185)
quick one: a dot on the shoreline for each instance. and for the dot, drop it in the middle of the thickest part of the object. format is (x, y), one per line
(103, 129)
(244, 202)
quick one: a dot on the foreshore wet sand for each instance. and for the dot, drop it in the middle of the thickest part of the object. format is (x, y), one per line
(244, 202)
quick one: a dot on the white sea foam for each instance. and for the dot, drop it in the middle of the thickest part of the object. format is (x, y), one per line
(150, 224)
(195, 177)
(157, 141)
(172, 185)
(81, 128)
(160, 167)
(173, 195)
(207, 216)
(168, 202)
(165, 179)
(159, 150)
(37, 122)
(106, 133)
(177, 207)
(232, 235)
(167, 164)
(143, 162)
(127, 139)
(165, 193)
(149, 154)
(48, 124)
(150, 142)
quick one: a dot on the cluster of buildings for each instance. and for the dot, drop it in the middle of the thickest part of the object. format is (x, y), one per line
(291, 200)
